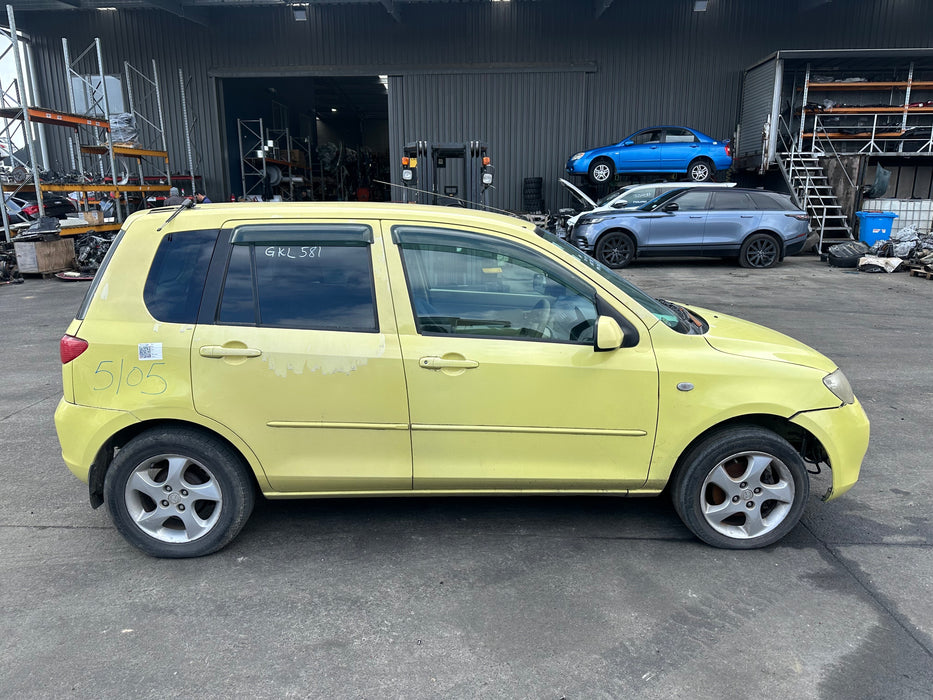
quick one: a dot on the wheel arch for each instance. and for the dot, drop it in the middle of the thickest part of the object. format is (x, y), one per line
(617, 229)
(768, 232)
(802, 440)
(108, 450)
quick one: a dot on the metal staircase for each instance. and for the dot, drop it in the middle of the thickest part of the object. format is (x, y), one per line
(812, 192)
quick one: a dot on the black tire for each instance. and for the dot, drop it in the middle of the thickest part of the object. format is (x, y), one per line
(760, 251)
(152, 490)
(722, 487)
(615, 249)
(701, 170)
(601, 171)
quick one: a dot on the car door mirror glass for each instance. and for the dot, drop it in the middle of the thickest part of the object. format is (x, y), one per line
(609, 335)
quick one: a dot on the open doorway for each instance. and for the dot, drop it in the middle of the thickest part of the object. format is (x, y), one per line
(307, 138)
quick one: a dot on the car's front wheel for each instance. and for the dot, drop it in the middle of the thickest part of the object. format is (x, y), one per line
(741, 488)
(601, 170)
(700, 170)
(760, 251)
(178, 493)
(616, 249)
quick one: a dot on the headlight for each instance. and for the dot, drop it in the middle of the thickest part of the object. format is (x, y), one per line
(839, 385)
(576, 156)
(594, 220)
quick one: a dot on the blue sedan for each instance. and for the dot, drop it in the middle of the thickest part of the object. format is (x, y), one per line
(757, 227)
(659, 149)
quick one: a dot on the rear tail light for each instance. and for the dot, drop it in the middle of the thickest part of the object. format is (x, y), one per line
(70, 347)
(729, 149)
(31, 209)
(799, 217)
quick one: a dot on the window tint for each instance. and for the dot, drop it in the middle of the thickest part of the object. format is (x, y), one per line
(692, 201)
(651, 136)
(679, 136)
(319, 287)
(731, 201)
(176, 278)
(237, 304)
(769, 201)
(477, 285)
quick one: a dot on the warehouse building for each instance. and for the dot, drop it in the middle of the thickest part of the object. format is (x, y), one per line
(353, 82)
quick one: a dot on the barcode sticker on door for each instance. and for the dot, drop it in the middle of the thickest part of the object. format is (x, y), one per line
(150, 351)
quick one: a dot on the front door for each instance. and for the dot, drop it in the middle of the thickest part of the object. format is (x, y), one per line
(679, 231)
(644, 153)
(300, 357)
(732, 216)
(505, 388)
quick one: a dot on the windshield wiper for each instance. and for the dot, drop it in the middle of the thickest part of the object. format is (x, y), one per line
(682, 314)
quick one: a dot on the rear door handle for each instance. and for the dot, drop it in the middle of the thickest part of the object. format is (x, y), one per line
(698, 216)
(221, 351)
(441, 363)
(747, 216)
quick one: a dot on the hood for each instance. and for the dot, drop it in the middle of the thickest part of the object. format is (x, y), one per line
(734, 336)
(577, 193)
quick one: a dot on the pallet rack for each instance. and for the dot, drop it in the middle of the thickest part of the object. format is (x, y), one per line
(89, 133)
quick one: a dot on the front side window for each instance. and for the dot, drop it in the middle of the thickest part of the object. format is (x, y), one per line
(315, 277)
(470, 284)
(692, 201)
(650, 136)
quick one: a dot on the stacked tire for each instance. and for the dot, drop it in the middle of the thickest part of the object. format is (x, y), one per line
(532, 200)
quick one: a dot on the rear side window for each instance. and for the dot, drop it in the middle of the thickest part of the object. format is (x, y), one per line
(310, 277)
(82, 311)
(176, 278)
(731, 201)
(771, 201)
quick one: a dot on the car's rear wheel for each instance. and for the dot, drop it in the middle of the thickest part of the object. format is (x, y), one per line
(760, 250)
(601, 170)
(178, 493)
(616, 249)
(701, 170)
(741, 488)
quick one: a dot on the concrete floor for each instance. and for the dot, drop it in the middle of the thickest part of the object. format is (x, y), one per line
(505, 598)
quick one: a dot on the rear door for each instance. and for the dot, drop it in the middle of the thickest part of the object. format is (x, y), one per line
(296, 351)
(679, 148)
(732, 216)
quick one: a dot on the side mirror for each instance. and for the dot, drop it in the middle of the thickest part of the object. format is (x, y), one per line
(621, 204)
(609, 335)
(672, 206)
(628, 143)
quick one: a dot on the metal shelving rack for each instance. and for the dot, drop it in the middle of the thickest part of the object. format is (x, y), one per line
(253, 173)
(191, 121)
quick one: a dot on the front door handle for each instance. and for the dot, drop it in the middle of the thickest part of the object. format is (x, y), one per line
(443, 363)
(221, 351)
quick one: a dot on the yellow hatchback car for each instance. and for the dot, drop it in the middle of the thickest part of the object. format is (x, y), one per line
(321, 350)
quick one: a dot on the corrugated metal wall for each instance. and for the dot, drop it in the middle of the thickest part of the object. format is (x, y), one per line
(509, 74)
(757, 103)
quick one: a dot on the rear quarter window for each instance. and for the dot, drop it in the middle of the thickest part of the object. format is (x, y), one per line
(772, 201)
(176, 277)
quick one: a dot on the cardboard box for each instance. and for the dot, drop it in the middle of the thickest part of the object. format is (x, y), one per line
(39, 257)
(93, 217)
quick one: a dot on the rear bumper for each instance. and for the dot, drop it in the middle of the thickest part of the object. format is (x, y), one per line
(83, 431)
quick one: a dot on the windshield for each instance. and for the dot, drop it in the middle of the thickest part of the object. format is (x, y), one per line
(612, 195)
(663, 313)
(660, 200)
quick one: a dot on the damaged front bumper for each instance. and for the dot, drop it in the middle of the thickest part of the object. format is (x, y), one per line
(843, 432)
